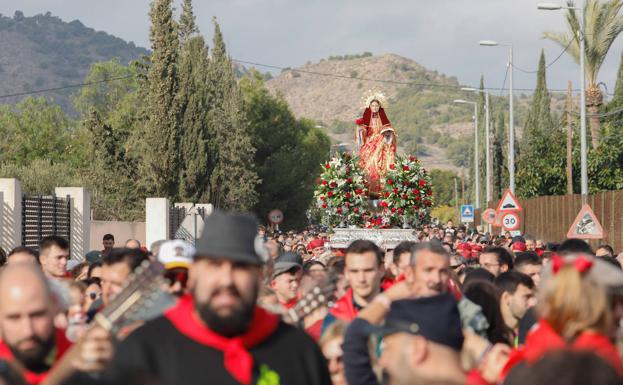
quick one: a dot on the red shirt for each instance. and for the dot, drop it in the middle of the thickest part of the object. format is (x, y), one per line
(544, 339)
(62, 345)
(344, 308)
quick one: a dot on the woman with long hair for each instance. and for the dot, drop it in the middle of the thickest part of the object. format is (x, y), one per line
(574, 313)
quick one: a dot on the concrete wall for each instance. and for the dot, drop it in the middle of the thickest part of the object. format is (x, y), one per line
(121, 230)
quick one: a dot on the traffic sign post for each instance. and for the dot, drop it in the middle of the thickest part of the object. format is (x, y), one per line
(509, 202)
(510, 221)
(275, 217)
(586, 225)
(467, 213)
(488, 216)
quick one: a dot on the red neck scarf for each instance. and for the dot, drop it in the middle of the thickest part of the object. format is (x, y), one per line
(544, 339)
(62, 345)
(344, 308)
(238, 359)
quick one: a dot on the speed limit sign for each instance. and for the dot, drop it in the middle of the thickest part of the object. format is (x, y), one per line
(275, 216)
(510, 221)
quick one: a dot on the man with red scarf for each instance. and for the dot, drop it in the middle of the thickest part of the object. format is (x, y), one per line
(29, 339)
(217, 334)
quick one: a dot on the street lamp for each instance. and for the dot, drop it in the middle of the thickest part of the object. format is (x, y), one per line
(583, 160)
(511, 123)
(476, 170)
(487, 142)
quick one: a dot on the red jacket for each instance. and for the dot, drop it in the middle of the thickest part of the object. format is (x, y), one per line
(62, 345)
(344, 308)
(544, 340)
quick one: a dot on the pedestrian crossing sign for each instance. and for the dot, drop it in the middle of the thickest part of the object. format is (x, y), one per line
(467, 213)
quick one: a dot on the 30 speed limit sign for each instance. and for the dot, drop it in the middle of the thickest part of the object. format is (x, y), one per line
(510, 221)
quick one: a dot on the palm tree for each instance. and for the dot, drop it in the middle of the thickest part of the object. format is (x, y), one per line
(603, 24)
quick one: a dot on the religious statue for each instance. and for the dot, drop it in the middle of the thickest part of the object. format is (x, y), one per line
(376, 140)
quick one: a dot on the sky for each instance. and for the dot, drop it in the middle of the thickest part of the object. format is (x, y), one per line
(441, 35)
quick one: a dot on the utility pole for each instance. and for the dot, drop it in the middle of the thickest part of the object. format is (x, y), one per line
(569, 140)
(456, 200)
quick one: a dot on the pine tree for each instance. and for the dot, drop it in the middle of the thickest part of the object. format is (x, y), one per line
(234, 180)
(159, 140)
(540, 168)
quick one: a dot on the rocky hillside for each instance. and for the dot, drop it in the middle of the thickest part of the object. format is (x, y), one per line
(417, 112)
(328, 98)
(428, 123)
(43, 51)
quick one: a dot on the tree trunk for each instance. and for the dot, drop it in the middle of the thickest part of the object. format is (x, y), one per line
(594, 99)
(569, 140)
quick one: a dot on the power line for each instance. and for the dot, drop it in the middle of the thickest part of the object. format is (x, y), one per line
(389, 81)
(65, 87)
(504, 82)
(433, 85)
(550, 64)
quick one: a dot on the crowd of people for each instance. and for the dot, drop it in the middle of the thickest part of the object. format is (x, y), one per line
(250, 305)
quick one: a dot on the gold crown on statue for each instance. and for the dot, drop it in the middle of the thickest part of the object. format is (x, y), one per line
(371, 95)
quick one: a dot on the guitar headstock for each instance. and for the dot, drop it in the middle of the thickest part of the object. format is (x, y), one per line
(141, 298)
(314, 299)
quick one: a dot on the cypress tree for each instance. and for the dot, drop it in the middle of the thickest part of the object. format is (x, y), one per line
(617, 101)
(194, 102)
(498, 157)
(233, 180)
(187, 24)
(193, 99)
(482, 144)
(159, 139)
(540, 168)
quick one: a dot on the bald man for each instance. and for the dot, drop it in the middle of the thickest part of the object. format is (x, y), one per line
(29, 338)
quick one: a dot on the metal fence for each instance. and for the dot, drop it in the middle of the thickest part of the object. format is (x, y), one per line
(176, 217)
(43, 216)
(550, 217)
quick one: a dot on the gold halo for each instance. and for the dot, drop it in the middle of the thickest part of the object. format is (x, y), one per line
(373, 94)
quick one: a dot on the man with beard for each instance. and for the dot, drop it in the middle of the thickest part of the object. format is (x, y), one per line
(217, 334)
(427, 276)
(517, 297)
(29, 339)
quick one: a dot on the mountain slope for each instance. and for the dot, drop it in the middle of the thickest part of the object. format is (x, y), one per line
(43, 51)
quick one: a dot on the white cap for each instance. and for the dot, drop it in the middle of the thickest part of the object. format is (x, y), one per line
(176, 253)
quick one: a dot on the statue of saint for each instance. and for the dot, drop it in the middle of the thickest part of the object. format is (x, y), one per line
(376, 140)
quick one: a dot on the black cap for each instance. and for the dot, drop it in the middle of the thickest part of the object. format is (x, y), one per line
(435, 318)
(286, 262)
(230, 236)
(518, 238)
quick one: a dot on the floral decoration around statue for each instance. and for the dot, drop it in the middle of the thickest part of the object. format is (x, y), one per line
(343, 200)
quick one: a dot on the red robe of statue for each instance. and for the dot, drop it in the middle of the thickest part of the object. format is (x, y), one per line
(378, 148)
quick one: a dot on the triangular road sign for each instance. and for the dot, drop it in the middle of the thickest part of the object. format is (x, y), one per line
(467, 211)
(586, 225)
(509, 202)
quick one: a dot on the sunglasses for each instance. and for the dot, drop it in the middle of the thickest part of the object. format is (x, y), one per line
(93, 296)
(180, 276)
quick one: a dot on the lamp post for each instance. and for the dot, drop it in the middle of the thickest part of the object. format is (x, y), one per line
(476, 165)
(583, 157)
(487, 142)
(511, 122)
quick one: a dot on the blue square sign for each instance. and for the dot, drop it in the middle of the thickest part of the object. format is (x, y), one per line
(467, 213)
